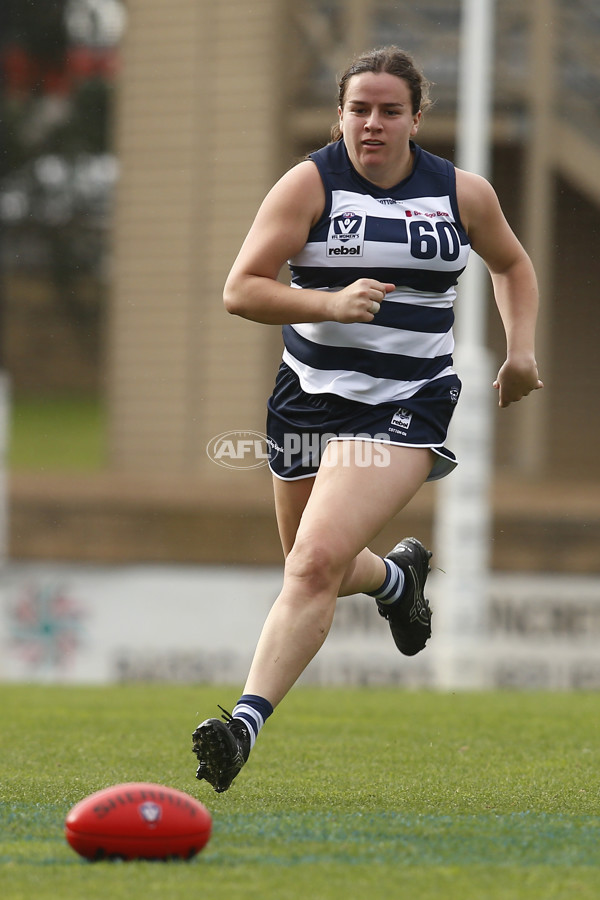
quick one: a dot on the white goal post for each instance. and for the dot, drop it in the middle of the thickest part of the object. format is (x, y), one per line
(463, 511)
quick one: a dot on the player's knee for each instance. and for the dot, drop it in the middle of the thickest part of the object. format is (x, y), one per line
(316, 563)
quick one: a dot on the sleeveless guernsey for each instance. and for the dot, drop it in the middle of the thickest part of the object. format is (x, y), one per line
(410, 235)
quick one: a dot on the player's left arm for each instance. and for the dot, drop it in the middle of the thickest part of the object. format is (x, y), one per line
(514, 282)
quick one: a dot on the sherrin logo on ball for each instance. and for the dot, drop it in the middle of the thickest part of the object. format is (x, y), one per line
(138, 821)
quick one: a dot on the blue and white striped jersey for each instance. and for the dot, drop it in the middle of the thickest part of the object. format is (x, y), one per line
(411, 236)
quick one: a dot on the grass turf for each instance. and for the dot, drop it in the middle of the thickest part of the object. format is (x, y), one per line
(57, 433)
(348, 792)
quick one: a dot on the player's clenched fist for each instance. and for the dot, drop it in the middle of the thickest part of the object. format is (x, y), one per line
(360, 301)
(517, 378)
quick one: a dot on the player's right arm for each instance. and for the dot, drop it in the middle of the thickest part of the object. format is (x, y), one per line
(279, 232)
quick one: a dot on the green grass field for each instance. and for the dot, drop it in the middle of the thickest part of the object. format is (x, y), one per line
(348, 793)
(57, 433)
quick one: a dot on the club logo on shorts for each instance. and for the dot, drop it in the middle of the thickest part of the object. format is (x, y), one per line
(402, 419)
(454, 394)
(346, 234)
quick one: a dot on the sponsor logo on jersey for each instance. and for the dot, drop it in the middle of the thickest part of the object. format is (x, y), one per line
(429, 215)
(346, 234)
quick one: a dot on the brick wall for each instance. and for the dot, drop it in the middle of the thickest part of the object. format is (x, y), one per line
(196, 139)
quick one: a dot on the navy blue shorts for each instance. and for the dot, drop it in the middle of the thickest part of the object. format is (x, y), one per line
(300, 425)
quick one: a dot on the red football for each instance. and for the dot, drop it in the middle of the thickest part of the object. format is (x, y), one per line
(138, 821)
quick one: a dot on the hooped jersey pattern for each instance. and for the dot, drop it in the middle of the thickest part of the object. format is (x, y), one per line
(411, 236)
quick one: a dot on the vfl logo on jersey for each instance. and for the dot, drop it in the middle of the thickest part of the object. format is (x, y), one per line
(346, 234)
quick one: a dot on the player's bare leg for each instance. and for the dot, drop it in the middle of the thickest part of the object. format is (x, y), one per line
(291, 497)
(347, 507)
(324, 529)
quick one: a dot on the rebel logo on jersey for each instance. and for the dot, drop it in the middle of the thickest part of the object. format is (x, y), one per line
(346, 234)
